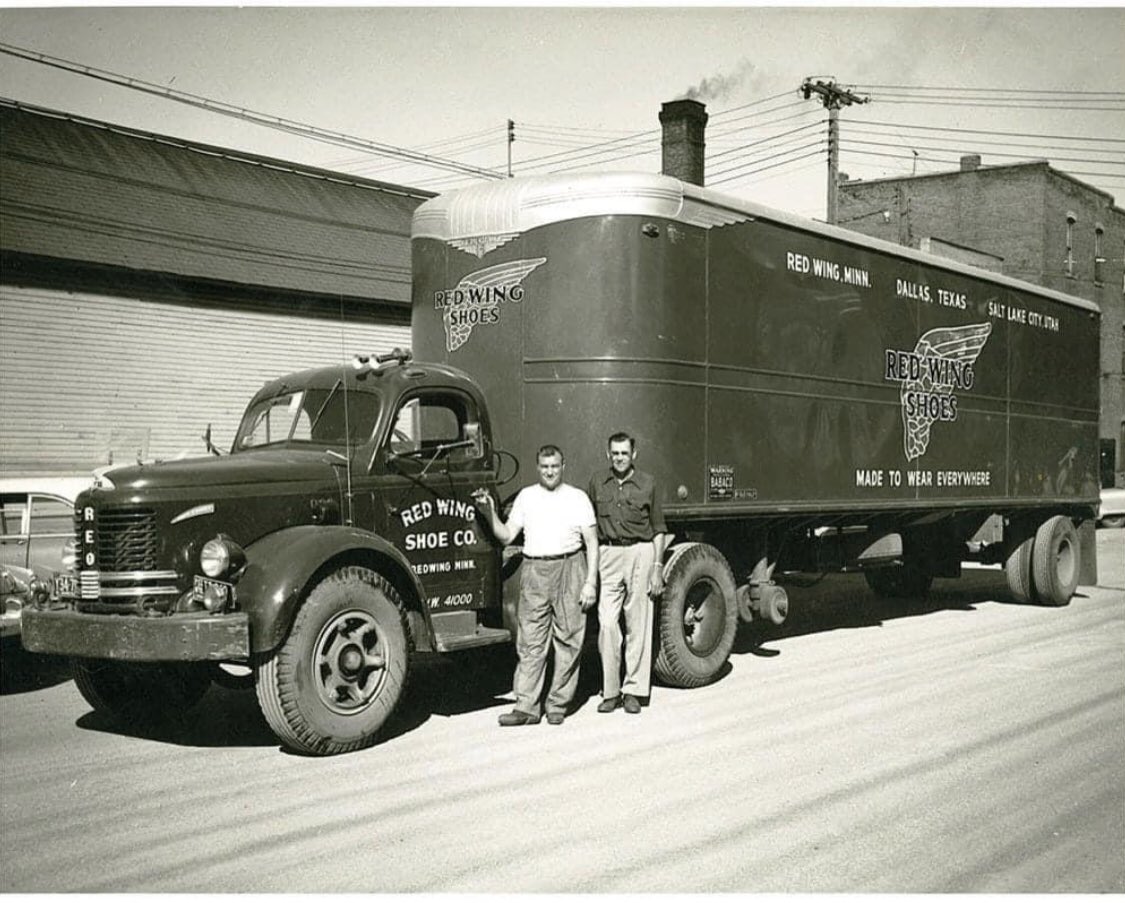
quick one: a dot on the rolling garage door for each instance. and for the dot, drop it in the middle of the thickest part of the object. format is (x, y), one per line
(89, 379)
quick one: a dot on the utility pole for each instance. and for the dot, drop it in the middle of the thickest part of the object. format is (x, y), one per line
(511, 140)
(833, 98)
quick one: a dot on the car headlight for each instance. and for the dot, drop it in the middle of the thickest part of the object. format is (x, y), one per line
(70, 555)
(220, 557)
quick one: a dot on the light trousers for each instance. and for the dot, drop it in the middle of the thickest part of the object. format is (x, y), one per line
(550, 616)
(624, 572)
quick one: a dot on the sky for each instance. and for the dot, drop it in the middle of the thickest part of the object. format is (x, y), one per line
(446, 80)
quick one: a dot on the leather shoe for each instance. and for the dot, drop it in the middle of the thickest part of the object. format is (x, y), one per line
(555, 717)
(608, 705)
(515, 718)
(632, 704)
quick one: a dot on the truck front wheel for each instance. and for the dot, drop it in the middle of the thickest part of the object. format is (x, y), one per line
(340, 673)
(140, 692)
(698, 616)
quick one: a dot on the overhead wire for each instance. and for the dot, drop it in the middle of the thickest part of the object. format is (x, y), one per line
(224, 109)
(626, 145)
(850, 141)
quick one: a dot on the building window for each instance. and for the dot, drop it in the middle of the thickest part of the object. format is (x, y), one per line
(1099, 260)
(1071, 219)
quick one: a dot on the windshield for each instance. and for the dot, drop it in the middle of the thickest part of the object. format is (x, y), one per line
(309, 417)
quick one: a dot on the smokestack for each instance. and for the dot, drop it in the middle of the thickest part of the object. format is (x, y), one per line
(683, 122)
(970, 162)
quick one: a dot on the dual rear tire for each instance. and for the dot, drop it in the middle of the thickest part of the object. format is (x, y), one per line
(1044, 568)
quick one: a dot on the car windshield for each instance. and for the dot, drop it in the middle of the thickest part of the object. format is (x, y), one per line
(310, 417)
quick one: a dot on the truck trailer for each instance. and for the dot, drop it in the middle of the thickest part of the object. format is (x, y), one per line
(808, 398)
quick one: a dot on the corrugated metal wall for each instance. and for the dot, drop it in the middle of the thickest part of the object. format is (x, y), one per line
(86, 379)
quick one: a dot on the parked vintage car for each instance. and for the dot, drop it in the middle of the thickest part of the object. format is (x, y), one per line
(36, 521)
(18, 587)
(1112, 510)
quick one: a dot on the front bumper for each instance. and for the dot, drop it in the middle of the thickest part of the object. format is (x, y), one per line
(9, 623)
(179, 638)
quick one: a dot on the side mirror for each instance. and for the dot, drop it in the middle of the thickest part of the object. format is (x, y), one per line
(473, 435)
(208, 443)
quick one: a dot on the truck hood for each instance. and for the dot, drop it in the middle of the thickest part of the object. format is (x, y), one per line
(257, 467)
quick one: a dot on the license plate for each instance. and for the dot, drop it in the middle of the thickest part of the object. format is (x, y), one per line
(214, 589)
(64, 586)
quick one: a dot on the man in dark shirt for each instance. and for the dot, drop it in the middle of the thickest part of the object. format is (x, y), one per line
(632, 538)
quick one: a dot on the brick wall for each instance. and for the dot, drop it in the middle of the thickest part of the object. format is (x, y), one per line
(1019, 214)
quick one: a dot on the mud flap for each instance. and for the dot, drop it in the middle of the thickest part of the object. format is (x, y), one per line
(1088, 554)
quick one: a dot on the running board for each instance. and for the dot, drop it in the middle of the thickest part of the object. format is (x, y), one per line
(456, 630)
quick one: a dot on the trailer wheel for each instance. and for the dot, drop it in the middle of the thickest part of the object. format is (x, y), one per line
(340, 673)
(1017, 569)
(698, 616)
(1055, 561)
(140, 692)
(905, 582)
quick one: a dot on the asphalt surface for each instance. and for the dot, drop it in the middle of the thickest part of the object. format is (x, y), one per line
(961, 744)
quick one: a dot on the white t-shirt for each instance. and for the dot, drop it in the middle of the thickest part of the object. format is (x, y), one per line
(551, 520)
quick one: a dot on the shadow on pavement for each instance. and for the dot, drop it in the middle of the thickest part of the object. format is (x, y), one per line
(25, 672)
(478, 679)
(844, 601)
(223, 718)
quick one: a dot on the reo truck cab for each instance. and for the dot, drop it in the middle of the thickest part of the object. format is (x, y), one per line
(337, 538)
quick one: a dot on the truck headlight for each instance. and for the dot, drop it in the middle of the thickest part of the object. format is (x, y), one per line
(70, 555)
(221, 556)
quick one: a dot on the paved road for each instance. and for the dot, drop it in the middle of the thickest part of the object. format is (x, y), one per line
(964, 744)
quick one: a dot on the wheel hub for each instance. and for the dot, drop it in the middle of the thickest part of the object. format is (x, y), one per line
(350, 663)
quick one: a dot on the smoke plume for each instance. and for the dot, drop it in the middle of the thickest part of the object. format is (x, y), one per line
(721, 86)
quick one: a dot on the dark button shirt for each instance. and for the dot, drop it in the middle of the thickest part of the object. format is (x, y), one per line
(629, 510)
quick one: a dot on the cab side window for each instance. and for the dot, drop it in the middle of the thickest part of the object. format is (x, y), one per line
(438, 424)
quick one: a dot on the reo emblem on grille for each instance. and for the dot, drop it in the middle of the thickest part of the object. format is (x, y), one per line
(88, 538)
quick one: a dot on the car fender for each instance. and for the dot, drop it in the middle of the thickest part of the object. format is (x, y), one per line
(280, 566)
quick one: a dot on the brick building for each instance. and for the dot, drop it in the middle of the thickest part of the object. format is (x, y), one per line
(1026, 220)
(149, 286)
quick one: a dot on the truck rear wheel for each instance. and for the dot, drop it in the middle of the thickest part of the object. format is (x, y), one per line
(140, 692)
(1017, 568)
(1055, 560)
(340, 673)
(698, 616)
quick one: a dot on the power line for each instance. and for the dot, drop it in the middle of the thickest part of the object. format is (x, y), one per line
(742, 147)
(766, 154)
(987, 90)
(1068, 107)
(1082, 172)
(225, 109)
(815, 153)
(851, 141)
(933, 128)
(763, 125)
(753, 163)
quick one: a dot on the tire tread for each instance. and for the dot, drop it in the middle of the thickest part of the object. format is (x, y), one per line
(277, 698)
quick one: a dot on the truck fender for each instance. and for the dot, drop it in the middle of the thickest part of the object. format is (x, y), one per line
(280, 566)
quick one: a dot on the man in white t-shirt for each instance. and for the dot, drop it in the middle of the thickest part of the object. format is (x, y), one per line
(557, 584)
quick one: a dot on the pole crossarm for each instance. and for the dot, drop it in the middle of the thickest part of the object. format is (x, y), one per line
(833, 97)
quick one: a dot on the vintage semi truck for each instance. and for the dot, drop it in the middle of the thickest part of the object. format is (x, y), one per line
(809, 399)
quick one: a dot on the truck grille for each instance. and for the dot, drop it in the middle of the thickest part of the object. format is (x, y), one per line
(127, 539)
(127, 579)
